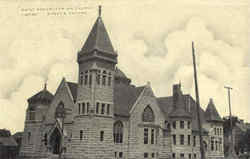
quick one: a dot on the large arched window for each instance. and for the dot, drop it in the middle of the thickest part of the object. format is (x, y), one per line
(148, 115)
(118, 132)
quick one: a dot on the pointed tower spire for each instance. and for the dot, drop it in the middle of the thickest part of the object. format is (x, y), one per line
(100, 11)
(98, 43)
(45, 86)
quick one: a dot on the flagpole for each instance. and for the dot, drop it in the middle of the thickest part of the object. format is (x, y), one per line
(198, 104)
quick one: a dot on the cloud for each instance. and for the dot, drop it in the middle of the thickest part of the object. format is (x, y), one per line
(153, 41)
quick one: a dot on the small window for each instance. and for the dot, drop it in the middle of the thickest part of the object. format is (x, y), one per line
(109, 81)
(81, 78)
(101, 135)
(103, 108)
(173, 155)
(214, 131)
(104, 76)
(115, 154)
(118, 132)
(45, 139)
(87, 107)
(153, 155)
(83, 108)
(120, 154)
(189, 156)
(145, 155)
(90, 79)
(108, 109)
(29, 137)
(174, 139)
(97, 108)
(182, 155)
(79, 108)
(152, 136)
(194, 141)
(86, 79)
(195, 156)
(148, 115)
(174, 124)
(189, 124)
(145, 135)
(189, 140)
(182, 123)
(81, 134)
(181, 139)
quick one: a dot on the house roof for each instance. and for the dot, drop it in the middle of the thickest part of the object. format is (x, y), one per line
(119, 73)
(166, 105)
(124, 98)
(43, 95)
(8, 141)
(211, 113)
(73, 89)
(98, 39)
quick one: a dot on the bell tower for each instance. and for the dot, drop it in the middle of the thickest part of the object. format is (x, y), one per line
(94, 105)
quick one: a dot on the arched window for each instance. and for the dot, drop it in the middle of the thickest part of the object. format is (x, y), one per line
(118, 132)
(104, 76)
(109, 79)
(98, 77)
(148, 115)
(86, 78)
(29, 137)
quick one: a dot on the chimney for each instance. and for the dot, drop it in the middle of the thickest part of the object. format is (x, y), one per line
(176, 93)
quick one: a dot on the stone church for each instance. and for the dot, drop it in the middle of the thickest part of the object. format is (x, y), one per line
(104, 116)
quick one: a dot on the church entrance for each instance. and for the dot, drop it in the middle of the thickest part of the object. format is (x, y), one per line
(55, 140)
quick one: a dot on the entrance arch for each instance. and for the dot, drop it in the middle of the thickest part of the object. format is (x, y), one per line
(55, 140)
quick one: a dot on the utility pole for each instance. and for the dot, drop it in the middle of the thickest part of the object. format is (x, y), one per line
(231, 153)
(198, 104)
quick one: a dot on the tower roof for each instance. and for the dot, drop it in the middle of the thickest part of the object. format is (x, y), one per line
(98, 38)
(211, 113)
(43, 95)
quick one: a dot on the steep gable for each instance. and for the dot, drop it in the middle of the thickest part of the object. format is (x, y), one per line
(63, 94)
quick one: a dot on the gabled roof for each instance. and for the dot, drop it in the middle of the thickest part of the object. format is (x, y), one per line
(211, 113)
(166, 105)
(73, 89)
(98, 39)
(124, 98)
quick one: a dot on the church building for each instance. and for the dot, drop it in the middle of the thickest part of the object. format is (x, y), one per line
(104, 116)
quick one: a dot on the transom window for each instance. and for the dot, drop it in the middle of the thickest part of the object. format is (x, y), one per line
(148, 115)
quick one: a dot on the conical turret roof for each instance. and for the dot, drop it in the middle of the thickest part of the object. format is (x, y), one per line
(98, 38)
(42, 96)
(211, 113)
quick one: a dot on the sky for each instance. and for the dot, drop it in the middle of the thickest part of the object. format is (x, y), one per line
(153, 40)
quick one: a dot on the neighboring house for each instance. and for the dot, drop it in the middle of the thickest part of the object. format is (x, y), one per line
(239, 130)
(108, 117)
(18, 138)
(8, 145)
